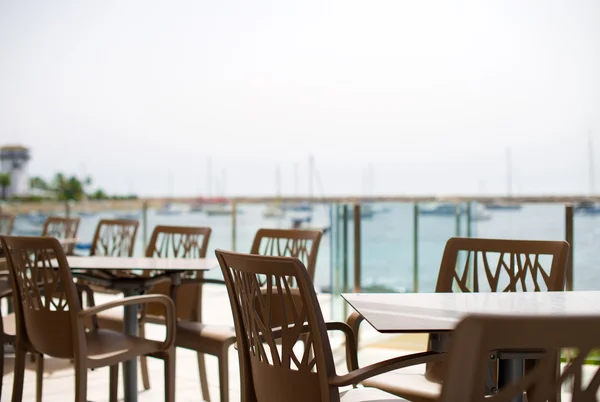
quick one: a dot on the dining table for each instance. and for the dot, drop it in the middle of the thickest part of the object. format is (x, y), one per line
(133, 276)
(439, 313)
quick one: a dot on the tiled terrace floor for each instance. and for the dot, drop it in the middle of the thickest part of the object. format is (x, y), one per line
(59, 381)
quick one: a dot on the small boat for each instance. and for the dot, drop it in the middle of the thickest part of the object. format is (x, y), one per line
(217, 210)
(198, 207)
(502, 206)
(167, 209)
(300, 207)
(274, 211)
(478, 212)
(587, 208)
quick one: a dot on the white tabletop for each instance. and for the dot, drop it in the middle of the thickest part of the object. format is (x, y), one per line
(432, 312)
(142, 263)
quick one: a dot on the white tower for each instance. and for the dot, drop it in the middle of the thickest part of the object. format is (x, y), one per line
(14, 160)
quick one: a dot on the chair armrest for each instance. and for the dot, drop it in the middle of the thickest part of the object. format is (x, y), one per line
(351, 343)
(170, 317)
(354, 321)
(396, 363)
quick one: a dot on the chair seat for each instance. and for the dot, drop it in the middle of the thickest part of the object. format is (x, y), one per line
(105, 346)
(367, 394)
(210, 339)
(412, 386)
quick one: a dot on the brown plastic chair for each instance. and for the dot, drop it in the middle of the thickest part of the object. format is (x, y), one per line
(113, 238)
(62, 228)
(272, 373)
(479, 335)
(215, 340)
(183, 242)
(54, 325)
(490, 265)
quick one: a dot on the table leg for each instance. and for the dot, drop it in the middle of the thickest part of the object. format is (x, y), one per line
(130, 325)
(510, 371)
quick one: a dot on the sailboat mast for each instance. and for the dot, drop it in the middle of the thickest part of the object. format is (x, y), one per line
(591, 162)
(508, 173)
(295, 179)
(311, 173)
(278, 181)
(209, 178)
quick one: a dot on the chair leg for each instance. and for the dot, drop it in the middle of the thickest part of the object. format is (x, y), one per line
(224, 374)
(144, 360)
(2, 344)
(170, 376)
(203, 379)
(39, 374)
(114, 382)
(19, 374)
(80, 382)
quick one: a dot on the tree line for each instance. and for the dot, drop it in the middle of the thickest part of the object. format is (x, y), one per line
(60, 188)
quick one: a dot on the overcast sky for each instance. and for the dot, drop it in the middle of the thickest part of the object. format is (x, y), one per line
(430, 92)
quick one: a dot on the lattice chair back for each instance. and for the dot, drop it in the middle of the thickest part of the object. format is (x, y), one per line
(46, 301)
(302, 244)
(269, 373)
(477, 336)
(7, 222)
(474, 265)
(62, 228)
(115, 238)
(179, 242)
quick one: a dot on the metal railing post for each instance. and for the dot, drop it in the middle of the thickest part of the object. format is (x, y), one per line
(569, 239)
(416, 248)
(345, 254)
(457, 215)
(469, 220)
(144, 225)
(233, 225)
(357, 250)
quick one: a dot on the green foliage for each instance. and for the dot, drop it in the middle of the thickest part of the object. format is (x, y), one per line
(37, 183)
(67, 188)
(5, 182)
(98, 195)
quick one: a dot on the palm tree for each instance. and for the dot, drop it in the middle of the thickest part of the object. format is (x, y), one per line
(5, 182)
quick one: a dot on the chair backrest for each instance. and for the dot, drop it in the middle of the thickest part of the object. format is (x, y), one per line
(46, 302)
(302, 244)
(476, 336)
(114, 238)
(62, 228)
(7, 222)
(499, 265)
(268, 373)
(181, 242)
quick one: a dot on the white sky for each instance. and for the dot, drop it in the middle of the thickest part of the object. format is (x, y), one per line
(430, 92)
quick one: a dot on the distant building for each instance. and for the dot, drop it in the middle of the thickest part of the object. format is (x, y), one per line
(14, 160)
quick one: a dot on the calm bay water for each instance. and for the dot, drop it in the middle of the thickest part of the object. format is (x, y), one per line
(387, 239)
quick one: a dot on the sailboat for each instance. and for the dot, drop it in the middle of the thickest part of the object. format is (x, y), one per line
(302, 206)
(275, 210)
(167, 208)
(220, 207)
(589, 207)
(501, 205)
(367, 211)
